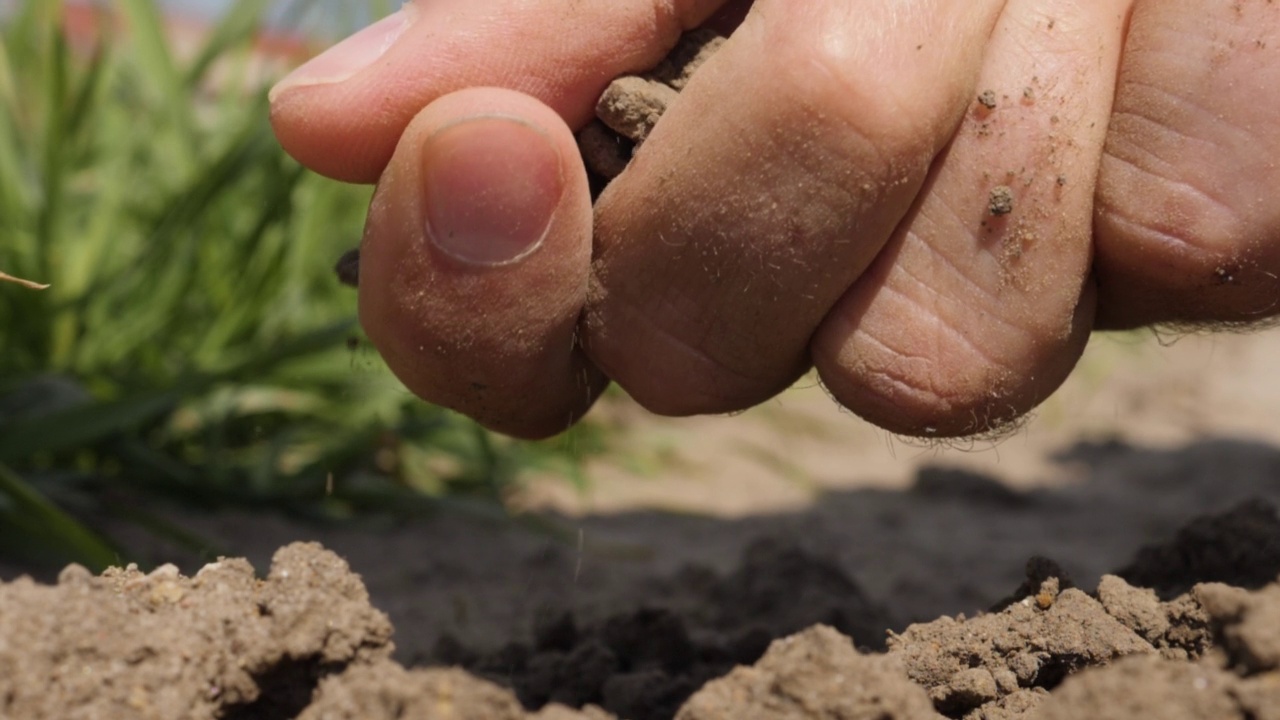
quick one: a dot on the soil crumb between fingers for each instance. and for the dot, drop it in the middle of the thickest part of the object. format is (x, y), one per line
(626, 111)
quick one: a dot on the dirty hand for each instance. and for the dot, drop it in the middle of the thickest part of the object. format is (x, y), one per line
(909, 196)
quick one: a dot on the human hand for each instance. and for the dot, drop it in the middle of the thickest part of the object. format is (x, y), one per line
(827, 190)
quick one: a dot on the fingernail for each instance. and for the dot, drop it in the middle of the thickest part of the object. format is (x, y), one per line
(490, 188)
(350, 56)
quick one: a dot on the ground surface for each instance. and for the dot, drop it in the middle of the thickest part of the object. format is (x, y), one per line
(705, 540)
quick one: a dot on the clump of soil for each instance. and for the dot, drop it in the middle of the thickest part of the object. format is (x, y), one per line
(1239, 677)
(305, 643)
(631, 105)
(221, 644)
(643, 665)
(385, 690)
(1241, 547)
(816, 673)
(1000, 201)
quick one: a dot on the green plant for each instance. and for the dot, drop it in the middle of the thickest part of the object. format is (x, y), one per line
(193, 344)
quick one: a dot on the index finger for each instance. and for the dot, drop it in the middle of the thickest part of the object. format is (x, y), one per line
(342, 113)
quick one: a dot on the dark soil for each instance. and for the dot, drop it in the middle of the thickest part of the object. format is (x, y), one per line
(646, 663)
(305, 642)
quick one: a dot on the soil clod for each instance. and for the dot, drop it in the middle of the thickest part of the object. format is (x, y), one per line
(1001, 200)
(631, 106)
(348, 268)
(645, 664)
(304, 642)
(1240, 547)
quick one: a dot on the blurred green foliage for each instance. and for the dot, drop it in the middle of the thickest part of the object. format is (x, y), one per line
(193, 345)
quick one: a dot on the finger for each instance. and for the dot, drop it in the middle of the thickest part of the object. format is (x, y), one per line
(342, 113)
(978, 307)
(767, 188)
(1188, 227)
(474, 263)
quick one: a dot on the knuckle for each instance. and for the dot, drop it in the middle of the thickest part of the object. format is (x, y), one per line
(845, 85)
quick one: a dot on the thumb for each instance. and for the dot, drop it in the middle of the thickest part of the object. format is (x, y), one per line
(475, 260)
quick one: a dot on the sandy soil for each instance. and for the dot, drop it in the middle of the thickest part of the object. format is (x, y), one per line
(706, 540)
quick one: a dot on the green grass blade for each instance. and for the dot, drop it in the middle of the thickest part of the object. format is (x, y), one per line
(89, 424)
(14, 196)
(44, 531)
(160, 76)
(85, 425)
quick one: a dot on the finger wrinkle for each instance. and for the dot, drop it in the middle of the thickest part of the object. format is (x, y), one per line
(977, 291)
(1174, 244)
(1159, 106)
(1226, 136)
(1191, 190)
(844, 134)
(910, 270)
(947, 340)
(948, 261)
(934, 389)
(1124, 146)
(1202, 200)
(883, 122)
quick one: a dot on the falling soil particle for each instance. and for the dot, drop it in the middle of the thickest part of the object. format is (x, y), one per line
(1000, 201)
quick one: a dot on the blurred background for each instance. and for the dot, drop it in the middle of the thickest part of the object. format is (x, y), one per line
(193, 348)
